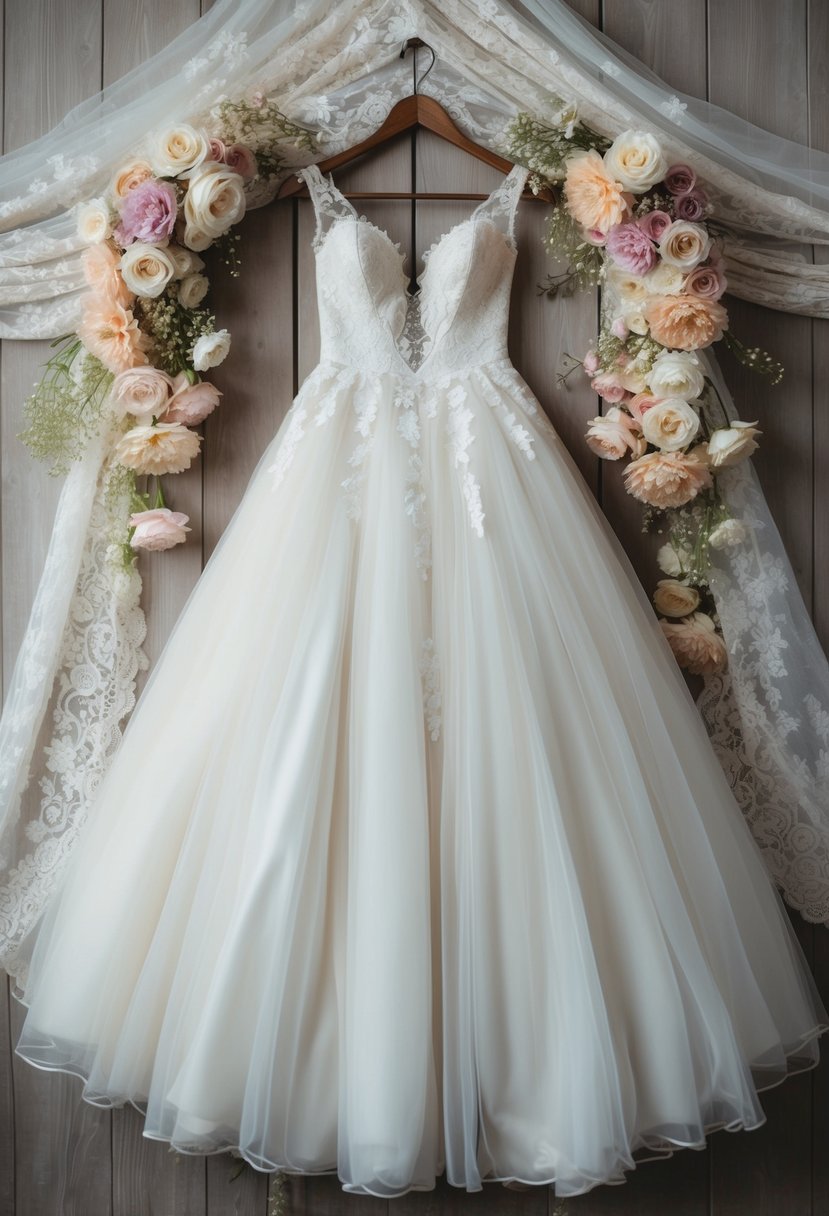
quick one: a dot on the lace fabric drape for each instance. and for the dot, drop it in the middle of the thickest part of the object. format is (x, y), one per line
(336, 68)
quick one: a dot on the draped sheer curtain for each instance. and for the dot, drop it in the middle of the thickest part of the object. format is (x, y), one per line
(336, 68)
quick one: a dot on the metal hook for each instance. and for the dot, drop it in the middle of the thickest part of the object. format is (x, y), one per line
(414, 44)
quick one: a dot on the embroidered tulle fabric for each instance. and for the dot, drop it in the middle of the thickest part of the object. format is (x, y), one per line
(430, 865)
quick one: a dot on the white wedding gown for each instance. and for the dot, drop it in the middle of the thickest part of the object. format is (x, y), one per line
(415, 853)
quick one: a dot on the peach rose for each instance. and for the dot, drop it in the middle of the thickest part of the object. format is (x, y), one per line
(130, 175)
(673, 598)
(167, 447)
(101, 270)
(110, 332)
(696, 644)
(592, 197)
(667, 479)
(686, 322)
(160, 528)
(613, 434)
(191, 403)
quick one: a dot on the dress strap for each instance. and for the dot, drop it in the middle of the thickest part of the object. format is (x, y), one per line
(502, 203)
(329, 203)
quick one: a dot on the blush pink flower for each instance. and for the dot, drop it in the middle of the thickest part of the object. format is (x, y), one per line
(240, 158)
(591, 362)
(691, 206)
(613, 434)
(639, 404)
(680, 179)
(593, 198)
(708, 282)
(217, 150)
(696, 644)
(619, 329)
(686, 322)
(654, 223)
(148, 214)
(110, 332)
(667, 479)
(191, 403)
(608, 387)
(160, 528)
(631, 248)
(101, 269)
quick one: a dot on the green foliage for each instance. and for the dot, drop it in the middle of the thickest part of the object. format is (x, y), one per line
(264, 129)
(543, 145)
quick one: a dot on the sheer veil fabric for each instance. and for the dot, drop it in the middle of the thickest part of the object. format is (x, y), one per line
(442, 872)
(336, 68)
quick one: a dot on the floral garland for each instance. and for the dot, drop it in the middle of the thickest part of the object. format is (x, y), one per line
(144, 336)
(627, 220)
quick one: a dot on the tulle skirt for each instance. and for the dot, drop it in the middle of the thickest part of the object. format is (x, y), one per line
(415, 854)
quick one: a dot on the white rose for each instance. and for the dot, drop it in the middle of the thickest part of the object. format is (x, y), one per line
(730, 445)
(634, 318)
(185, 261)
(629, 287)
(215, 200)
(675, 599)
(729, 533)
(194, 238)
(676, 374)
(635, 160)
(663, 280)
(633, 376)
(146, 269)
(673, 559)
(671, 425)
(191, 290)
(210, 350)
(141, 391)
(684, 244)
(94, 221)
(177, 150)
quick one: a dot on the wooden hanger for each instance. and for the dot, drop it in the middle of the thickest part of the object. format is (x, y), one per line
(410, 112)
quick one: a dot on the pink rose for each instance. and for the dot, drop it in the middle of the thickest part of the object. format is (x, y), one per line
(148, 214)
(191, 403)
(595, 236)
(706, 281)
(608, 387)
(218, 150)
(160, 528)
(242, 161)
(654, 223)
(619, 329)
(680, 179)
(591, 362)
(612, 435)
(640, 404)
(692, 206)
(631, 248)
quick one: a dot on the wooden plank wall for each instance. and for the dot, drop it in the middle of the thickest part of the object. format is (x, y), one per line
(764, 59)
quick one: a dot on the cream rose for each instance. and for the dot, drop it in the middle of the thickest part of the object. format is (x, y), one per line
(146, 269)
(210, 350)
(215, 200)
(94, 221)
(673, 559)
(130, 175)
(676, 374)
(184, 260)
(727, 534)
(635, 160)
(730, 445)
(672, 598)
(177, 150)
(684, 244)
(192, 290)
(630, 288)
(671, 425)
(664, 280)
(141, 391)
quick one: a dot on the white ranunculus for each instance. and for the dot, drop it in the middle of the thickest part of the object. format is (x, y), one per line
(671, 425)
(673, 559)
(215, 200)
(676, 374)
(663, 280)
(635, 160)
(192, 289)
(685, 244)
(210, 350)
(730, 445)
(729, 533)
(177, 150)
(185, 261)
(672, 598)
(94, 221)
(146, 269)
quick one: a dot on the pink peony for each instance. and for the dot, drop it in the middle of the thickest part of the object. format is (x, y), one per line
(191, 403)
(631, 248)
(148, 214)
(160, 528)
(691, 206)
(608, 387)
(654, 223)
(680, 179)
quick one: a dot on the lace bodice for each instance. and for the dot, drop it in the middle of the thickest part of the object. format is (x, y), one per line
(456, 321)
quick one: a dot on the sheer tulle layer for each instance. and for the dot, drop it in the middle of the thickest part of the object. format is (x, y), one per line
(415, 854)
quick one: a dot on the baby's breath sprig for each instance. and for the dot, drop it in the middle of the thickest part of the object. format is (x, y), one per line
(227, 246)
(543, 146)
(260, 125)
(755, 358)
(173, 328)
(66, 405)
(564, 240)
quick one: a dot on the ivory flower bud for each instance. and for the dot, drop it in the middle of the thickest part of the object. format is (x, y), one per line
(192, 290)
(94, 221)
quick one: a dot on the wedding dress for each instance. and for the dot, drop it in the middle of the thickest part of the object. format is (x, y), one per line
(415, 854)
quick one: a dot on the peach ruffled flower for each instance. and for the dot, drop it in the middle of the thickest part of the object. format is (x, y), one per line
(592, 197)
(167, 447)
(667, 479)
(101, 270)
(111, 333)
(686, 322)
(696, 644)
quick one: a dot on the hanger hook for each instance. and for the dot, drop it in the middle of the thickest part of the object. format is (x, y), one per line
(414, 44)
